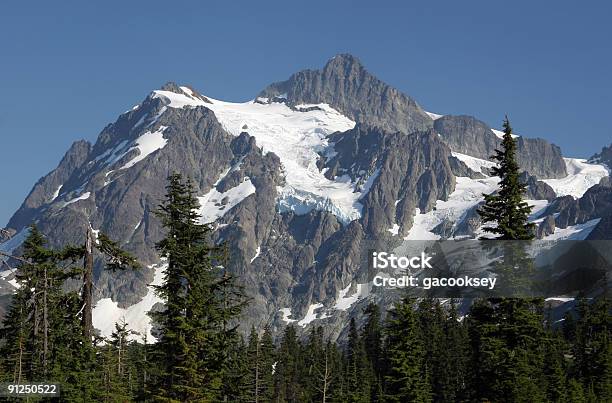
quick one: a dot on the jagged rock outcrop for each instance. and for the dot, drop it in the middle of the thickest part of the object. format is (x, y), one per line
(406, 172)
(603, 157)
(596, 203)
(49, 186)
(546, 227)
(537, 190)
(470, 136)
(348, 87)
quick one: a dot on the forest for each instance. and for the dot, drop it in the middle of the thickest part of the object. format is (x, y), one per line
(417, 350)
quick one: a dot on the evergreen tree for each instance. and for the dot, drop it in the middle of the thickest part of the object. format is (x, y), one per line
(506, 207)
(372, 335)
(288, 370)
(41, 332)
(454, 365)
(592, 348)
(117, 368)
(431, 323)
(358, 368)
(407, 379)
(192, 347)
(506, 337)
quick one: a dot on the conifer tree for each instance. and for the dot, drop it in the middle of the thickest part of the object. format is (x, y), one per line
(254, 363)
(358, 368)
(41, 332)
(117, 368)
(372, 335)
(592, 347)
(407, 379)
(192, 349)
(288, 368)
(506, 207)
(455, 354)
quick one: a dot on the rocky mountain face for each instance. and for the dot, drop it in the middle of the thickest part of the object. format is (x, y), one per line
(468, 135)
(348, 87)
(604, 156)
(297, 182)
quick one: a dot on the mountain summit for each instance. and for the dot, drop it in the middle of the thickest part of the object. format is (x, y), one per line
(297, 181)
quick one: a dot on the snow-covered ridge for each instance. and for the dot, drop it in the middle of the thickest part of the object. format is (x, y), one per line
(581, 175)
(298, 137)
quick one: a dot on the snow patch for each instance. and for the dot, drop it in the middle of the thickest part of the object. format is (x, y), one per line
(311, 315)
(576, 232)
(581, 175)
(475, 164)
(84, 196)
(214, 204)
(56, 193)
(106, 312)
(257, 252)
(467, 194)
(146, 144)
(394, 230)
(500, 134)
(434, 116)
(344, 303)
(286, 314)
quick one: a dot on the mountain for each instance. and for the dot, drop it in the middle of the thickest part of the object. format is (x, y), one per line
(299, 182)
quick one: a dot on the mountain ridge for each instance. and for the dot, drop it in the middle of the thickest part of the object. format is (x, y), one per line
(295, 182)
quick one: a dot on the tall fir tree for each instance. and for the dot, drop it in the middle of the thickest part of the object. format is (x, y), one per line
(192, 349)
(372, 335)
(288, 369)
(506, 207)
(358, 368)
(407, 379)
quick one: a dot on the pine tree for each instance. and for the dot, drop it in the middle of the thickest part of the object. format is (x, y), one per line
(288, 368)
(407, 379)
(592, 347)
(117, 368)
(41, 332)
(192, 347)
(506, 337)
(254, 363)
(372, 335)
(358, 370)
(454, 364)
(506, 208)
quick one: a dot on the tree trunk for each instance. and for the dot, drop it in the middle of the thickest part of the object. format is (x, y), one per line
(87, 295)
(45, 322)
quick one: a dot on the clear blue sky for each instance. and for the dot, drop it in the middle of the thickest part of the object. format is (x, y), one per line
(69, 68)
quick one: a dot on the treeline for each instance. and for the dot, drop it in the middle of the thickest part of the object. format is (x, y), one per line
(503, 350)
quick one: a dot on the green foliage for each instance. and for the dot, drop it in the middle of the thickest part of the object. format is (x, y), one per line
(503, 350)
(408, 376)
(200, 302)
(506, 207)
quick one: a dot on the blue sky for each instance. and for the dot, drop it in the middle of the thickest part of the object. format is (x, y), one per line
(69, 68)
